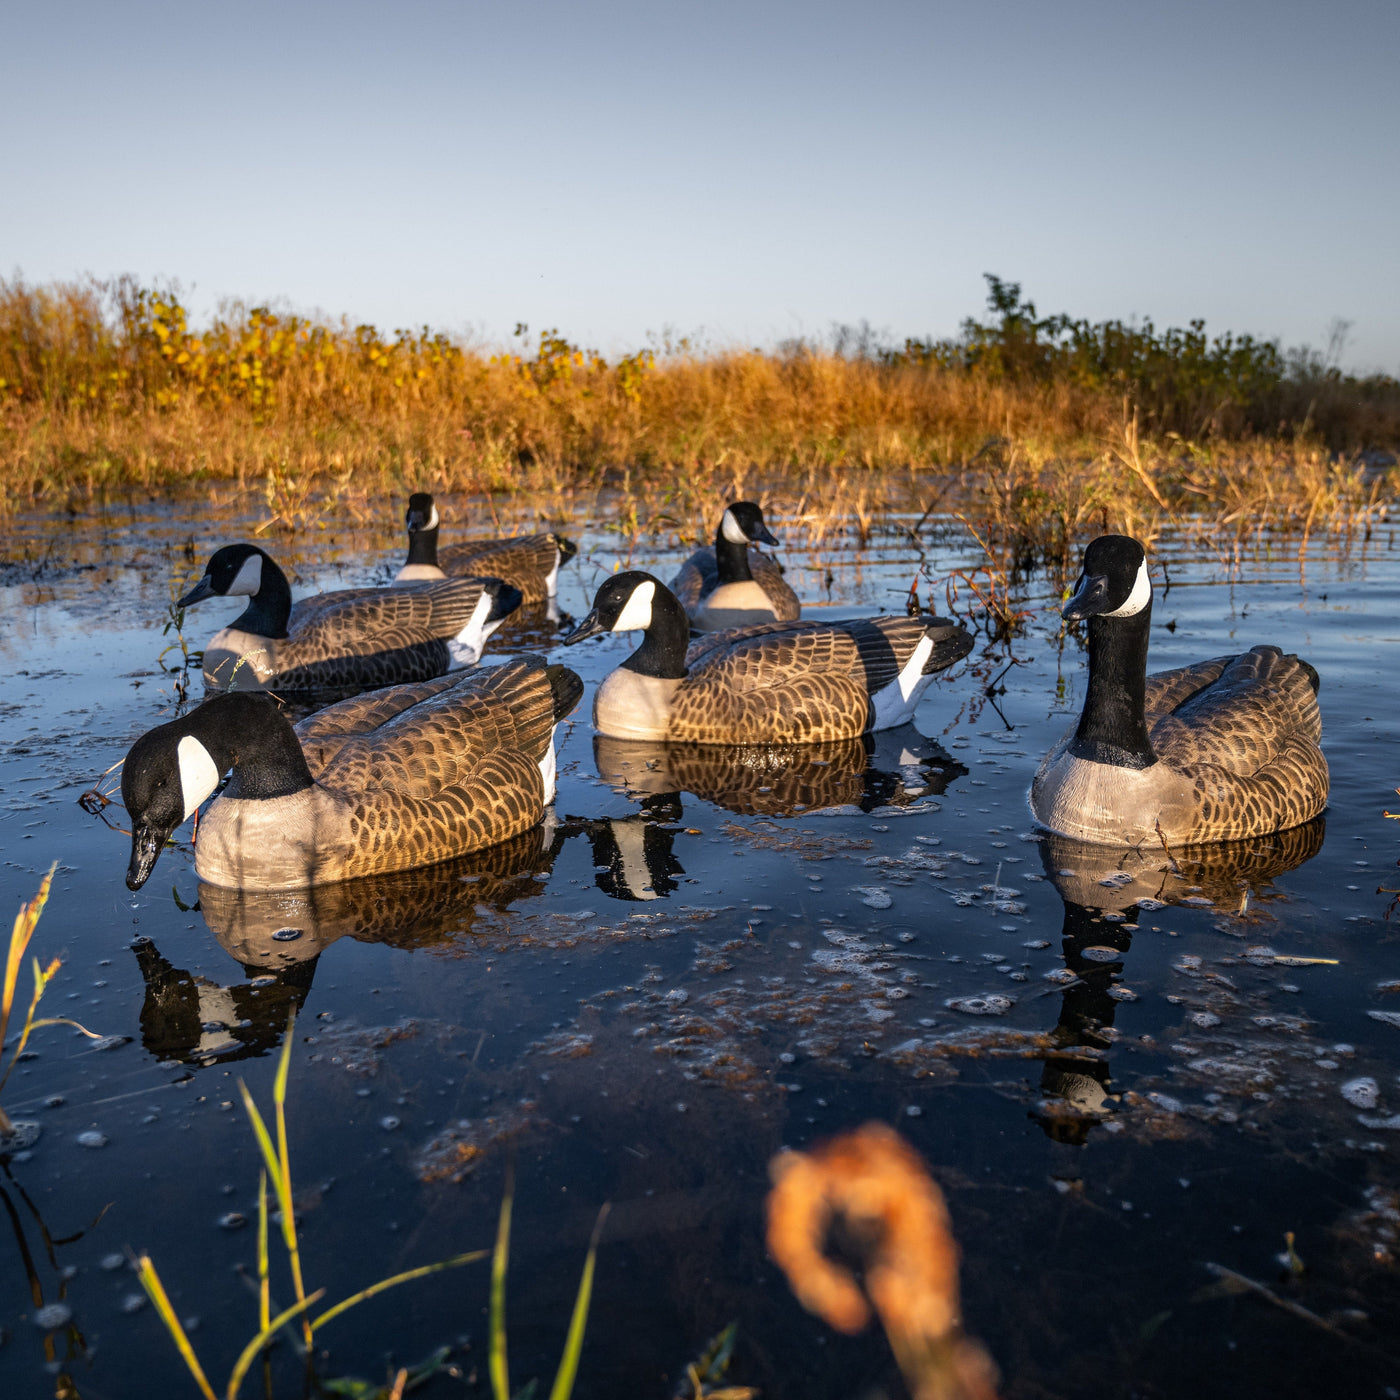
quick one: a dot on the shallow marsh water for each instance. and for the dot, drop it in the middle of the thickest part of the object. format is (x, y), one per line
(1115, 1070)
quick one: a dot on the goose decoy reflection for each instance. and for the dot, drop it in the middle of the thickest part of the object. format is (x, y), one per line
(406, 909)
(196, 1020)
(898, 768)
(1103, 889)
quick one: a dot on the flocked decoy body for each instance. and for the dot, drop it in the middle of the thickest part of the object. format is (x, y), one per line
(732, 585)
(385, 781)
(1218, 751)
(783, 682)
(527, 562)
(351, 639)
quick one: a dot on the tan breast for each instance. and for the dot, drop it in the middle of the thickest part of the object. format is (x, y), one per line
(418, 573)
(1104, 803)
(236, 660)
(276, 843)
(632, 706)
(734, 605)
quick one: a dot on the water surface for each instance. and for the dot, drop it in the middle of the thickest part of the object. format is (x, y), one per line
(1119, 1071)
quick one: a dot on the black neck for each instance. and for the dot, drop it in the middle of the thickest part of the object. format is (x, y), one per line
(248, 736)
(1113, 727)
(269, 608)
(662, 652)
(733, 559)
(422, 547)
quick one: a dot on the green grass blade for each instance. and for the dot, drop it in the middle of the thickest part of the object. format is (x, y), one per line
(279, 1085)
(289, 1219)
(25, 923)
(274, 1167)
(249, 1353)
(386, 1283)
(264, 1285)
(155, 1291)
(573, 1347)
(496, 1357)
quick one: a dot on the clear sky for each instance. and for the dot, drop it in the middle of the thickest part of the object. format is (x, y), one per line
(744, 171)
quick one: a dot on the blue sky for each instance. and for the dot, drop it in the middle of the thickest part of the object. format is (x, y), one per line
(744, 172)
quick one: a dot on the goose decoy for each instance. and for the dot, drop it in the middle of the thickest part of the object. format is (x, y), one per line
(527, 562)
(1218, 751)
(732, 585)
(352, 639)
(386, 781)
(783, 682)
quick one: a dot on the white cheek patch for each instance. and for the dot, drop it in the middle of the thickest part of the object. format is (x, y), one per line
(1139, 598)
(432, 520)
(248, 579)
(731, 529)
(199, 774)
(636, 616)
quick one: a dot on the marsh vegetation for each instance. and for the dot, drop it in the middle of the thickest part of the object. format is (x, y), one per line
(1041, 422)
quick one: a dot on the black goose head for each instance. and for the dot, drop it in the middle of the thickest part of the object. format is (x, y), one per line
(236, 570)
(422, 514)
(742, 523)
(172, 769)
(1113, 581)
(625, 603)
(637, 602)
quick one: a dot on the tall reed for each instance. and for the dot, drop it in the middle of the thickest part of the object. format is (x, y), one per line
(107, 386)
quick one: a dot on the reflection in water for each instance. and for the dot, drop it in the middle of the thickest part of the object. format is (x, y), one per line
(1103, 889)
(895, 768)
(633, 857)
(278, 937)
(190, 1018)
(52, 1312)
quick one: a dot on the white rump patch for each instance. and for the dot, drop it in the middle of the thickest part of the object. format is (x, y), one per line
(731, 529)
(1139, 598)
(199, 774)
(895, 704)
(466, 647)
(551, 579)
(248, 579)
(636, 616)
(547, 770)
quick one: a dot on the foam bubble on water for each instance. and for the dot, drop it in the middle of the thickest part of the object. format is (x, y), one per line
(990, 1004)
(1362, 1092)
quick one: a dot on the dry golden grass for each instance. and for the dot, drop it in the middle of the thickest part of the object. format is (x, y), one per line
(104, 389)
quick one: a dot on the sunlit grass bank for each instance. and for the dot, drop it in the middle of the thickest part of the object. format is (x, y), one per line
(1046, 421)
